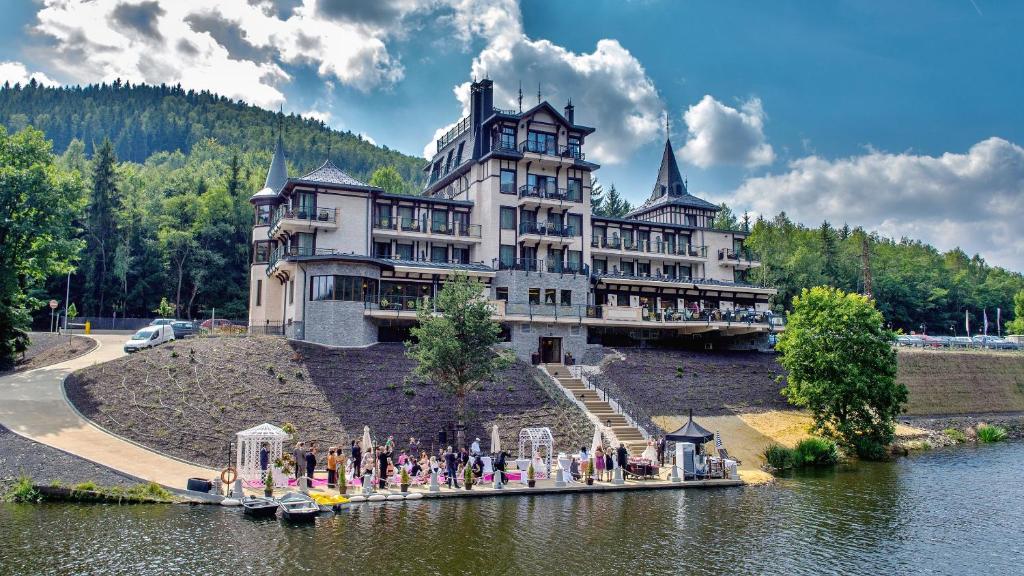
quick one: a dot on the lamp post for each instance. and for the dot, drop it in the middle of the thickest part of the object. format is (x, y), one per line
(67, 298)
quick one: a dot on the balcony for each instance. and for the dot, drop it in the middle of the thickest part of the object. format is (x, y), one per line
(283, 254)
(570, 153)
(426, 229)
(742, 258)
(454, 133)
(506, 146)
(287, 219)
(542, 266)
(547, 195)
(542, 232)
(616, 245)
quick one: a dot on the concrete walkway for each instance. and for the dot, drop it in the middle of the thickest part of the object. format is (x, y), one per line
(32, 404)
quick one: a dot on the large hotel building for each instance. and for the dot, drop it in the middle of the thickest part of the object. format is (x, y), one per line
(507, 201)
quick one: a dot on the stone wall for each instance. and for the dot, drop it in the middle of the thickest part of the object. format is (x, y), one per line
(337, 323)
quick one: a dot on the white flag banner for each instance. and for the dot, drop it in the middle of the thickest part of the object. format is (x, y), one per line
(999, 329)
(967, 323)
(984, 316)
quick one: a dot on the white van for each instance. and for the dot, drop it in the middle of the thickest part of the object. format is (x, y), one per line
(148, 337)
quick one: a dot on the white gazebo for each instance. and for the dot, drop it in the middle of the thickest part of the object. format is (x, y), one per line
(537, 438)
(248, 449)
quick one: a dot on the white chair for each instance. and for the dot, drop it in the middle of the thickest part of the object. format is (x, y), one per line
(488, 466)
(564, 464)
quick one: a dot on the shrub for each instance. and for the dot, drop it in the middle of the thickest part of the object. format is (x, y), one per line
(88, 486)
(405, 476)
(409, 391)
(815, 452)
(778, 456)
(955, 435)
(23, 491)
(987, 433)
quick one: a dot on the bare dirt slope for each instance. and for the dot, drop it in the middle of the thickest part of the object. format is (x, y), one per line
(188, 398)
(944, 382)
(47, 349)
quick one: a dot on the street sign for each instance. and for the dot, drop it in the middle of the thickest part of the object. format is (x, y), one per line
(53, 304)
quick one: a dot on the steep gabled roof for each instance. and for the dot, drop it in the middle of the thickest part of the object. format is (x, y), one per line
(670, 188)
(558, 116)
(277, 175)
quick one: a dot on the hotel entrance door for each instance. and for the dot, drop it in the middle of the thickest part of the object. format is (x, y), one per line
(550, 350)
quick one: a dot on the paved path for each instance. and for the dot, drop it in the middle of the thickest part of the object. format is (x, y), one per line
(32, 404)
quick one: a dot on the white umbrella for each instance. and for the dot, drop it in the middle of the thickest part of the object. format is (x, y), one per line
(495, 440)
(597, 441)
(367, 443)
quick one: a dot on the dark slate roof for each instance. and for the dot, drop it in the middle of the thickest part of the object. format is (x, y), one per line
(277, 174)
(473, 267)
(328, 173)
(670, 188)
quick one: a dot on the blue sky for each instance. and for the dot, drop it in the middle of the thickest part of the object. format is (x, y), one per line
(903, 117)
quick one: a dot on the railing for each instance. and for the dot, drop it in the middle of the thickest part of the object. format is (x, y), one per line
(542, 229)
(501, 144)
(454, 133)
(582, 373)
(550, 193)
(327, 215)
(556, 311)
(583, 407)
(397, 303)
(520, 264)
(505, 111)
(450, 228)
(742, 255)
(283, 252)
(647, 246)
(547, 149)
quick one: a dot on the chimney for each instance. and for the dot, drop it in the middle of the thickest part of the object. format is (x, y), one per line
(570, 112)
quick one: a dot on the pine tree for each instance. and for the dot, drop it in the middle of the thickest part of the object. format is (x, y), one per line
(101, 232)
(614, 206)
(725, 219)
(829, 253)
(596, 196)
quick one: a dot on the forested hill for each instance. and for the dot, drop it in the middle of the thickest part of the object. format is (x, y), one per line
(142, 120)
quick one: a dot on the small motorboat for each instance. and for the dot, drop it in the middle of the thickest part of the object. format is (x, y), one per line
(298, 507)
(258, 507)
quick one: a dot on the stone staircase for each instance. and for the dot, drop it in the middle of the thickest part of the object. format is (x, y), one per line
(624, 432)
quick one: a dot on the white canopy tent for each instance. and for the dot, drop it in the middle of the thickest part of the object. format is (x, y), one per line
(495, 440)
(247, 460)
(537, 438)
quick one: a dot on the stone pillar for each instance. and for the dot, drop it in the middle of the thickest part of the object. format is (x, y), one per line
(675, 474)
(497, 480)
(618, 475)
(560, 478)
(303, 484)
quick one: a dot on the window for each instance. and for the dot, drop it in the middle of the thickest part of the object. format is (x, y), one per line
(600, 266)
(575, 223)
(554, 260)
(263, 212)
(533, 295)
(460, 222)
(403, 251)
(501, 293)
(302, 244)
(541, 142)
(439, 221)
(627, 268)
(684, 272)
(549, 296)
(406, 218)
(259, 292)
(575, 189)
(691, 219)
(458, 155)
(541, 185)
(261, 252)
(460, 255)
(304, 204)
(627, 239)
(382, 215)
(342, 288)
(644, 240)
(508, 218)
(574, 147)
(670, 270)
(574, 260)
(507, 139)
(643, 268)
(438, 253)
(508, 182)
(291, 291)
(566, 298)
(382, 249)
(506, 256)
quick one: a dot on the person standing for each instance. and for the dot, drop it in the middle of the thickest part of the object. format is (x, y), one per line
(299, 456)
(332, 468)
(623, 456)
(661, 450)
(450, 468)
(474, 448)
(310, 463)
(383, 459)
(357, 457)
(264, 460)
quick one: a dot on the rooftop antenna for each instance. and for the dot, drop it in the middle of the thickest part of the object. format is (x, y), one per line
(666, 125)
(520, 96)
(538, 92)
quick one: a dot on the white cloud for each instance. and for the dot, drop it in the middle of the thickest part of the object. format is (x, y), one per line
(321, 115)
(721, 135)
(232, 47)
(971, 200)
(17, 73)
(367, 137)
(609, 86)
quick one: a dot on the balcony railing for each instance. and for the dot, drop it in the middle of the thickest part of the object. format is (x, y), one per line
(547, 149)
(649, 247)
(285, 252)
(520, 264)
(550, 193)
(413, 260)
(500, 144)
(449, 228)
(326, 215)
(741, 255)
(544, 229)
(454, 133)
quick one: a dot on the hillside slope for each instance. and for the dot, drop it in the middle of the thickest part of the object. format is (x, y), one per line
(942, 382)
(142, 120)
(189, 398)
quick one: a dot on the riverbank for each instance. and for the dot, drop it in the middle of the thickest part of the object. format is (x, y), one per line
(21, 457)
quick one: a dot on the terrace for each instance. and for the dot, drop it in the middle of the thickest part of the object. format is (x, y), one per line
(413, 227)
(742, 258)
(544, 148)
(544, 232)
(616, 245)
(288, 219)
(541, 266)
(548, 195)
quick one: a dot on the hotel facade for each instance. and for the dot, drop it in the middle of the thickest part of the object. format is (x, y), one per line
(508, 202)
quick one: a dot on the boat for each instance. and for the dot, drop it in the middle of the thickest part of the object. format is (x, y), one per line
(259, 507)
(298, 507)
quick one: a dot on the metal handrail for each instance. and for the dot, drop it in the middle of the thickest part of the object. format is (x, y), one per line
(582, 373)
(550, 193)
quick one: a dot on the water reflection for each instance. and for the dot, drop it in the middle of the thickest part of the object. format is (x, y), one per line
(945, 512)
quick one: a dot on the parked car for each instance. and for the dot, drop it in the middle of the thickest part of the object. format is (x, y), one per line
(162, 321)
(149, 337)
(961, 342)
(216, 323)
(905, 340)
(221, 326)
(183, 328)
(930, 341)
(945, 341)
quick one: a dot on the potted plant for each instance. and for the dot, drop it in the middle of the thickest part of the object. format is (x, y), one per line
(467, 475)
(405, 480)
(531, 481)
(268, 484)
(588, 470)
(342, 481)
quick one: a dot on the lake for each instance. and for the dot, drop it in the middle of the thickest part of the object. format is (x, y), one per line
(953, 511)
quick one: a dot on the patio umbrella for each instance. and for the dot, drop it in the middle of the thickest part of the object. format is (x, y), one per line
(597, 440)
(367, 443)
(691, 432)
(495, 440)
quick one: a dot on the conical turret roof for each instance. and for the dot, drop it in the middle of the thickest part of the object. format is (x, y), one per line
(277, 175)
(669, 181)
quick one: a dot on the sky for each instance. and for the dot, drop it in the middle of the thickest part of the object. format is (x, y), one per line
(902, 117)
